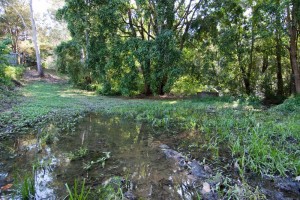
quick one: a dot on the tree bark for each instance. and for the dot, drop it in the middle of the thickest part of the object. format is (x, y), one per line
(278, 53)
(35, 41)
(292, 25)
(146, 76)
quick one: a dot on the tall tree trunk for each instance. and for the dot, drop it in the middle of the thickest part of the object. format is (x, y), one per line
(245, 75)
(162, 85)
(251, 64)
(146, 76)
(279, 68)
(292, 24)
(265, 64)
(278, 52)
(35, 41)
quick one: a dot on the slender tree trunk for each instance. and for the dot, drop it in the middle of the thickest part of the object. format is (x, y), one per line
(265, 64)
(251, 64)
(292, 24)
(279, 68)
(35, 41)
(245, 77)
(146, 75)
(278, 52)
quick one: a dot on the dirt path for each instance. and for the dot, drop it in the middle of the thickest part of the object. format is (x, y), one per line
(50, 77)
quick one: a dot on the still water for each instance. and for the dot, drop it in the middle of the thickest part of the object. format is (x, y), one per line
(134, 155)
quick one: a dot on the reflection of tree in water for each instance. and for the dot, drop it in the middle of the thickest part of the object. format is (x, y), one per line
(133, 156)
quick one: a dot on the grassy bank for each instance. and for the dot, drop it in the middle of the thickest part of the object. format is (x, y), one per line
(263, 141)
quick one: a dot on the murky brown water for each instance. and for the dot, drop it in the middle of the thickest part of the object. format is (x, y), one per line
(135, 155)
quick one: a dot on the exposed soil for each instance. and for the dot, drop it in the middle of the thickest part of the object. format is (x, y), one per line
(50, 77)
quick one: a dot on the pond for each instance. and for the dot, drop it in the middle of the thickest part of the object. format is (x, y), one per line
(134, 155)
(105, 149)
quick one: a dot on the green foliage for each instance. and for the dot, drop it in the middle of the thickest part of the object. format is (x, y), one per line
(77, 154)
(290, 105)
(28, 188)
(3, 61)
(77, 192)
(68, 61)
(123, 61)
(187, 85)
(100, 160)
(14, 72)
(112, 188)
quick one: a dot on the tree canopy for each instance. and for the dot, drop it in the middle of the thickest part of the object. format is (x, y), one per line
(146, 46)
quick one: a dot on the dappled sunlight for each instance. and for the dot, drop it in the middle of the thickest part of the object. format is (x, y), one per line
(76, 93)
(171, 102)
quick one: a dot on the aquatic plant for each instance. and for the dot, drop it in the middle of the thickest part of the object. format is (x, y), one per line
(100, 160)
(28, 188)
(78, 153)
(78, 193)
(113, 188)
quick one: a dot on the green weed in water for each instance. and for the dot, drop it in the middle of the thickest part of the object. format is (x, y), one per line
(100, 160)
(77, 154)
(28, 188)
(78, 193)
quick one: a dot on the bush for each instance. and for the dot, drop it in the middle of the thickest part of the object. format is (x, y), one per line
(290, 105)
(68, 61)
(4, 80)
(14, 72)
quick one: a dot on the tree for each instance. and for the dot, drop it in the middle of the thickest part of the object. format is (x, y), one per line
(293, 19)
(13, 22)
(145, 46)
(150, 33)
(35, 41)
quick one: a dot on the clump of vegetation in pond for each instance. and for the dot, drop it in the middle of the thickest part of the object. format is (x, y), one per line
(28, 188)
(100, 160)
(78, 192)
(114, 188)
(77, 154)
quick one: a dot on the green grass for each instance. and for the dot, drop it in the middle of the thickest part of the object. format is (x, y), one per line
(263, 141)
(28, 188)
(78, 193)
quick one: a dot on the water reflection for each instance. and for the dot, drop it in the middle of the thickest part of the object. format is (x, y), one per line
(135, 155)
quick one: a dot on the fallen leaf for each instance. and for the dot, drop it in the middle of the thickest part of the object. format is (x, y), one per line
(206, 188)
(297, 178)
(6, 187)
